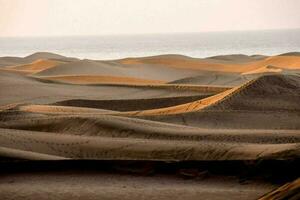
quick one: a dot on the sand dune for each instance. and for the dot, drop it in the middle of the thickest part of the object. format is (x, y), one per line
(47, 56)
(273, 97)
(13, 61)
(286, 88)
(180, 62)
(123, 127)
(169, 108)
(129, 82)
(110, 68)
(36, 66)
(22, 89)
(183, 108)
(108, 137)
(288, 62)
(224, 63)
(82, 67)
(281, 90)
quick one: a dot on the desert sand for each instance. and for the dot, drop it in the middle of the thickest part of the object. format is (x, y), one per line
(167, 109)
(123, 187)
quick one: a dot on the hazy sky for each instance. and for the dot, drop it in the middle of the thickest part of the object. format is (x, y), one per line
(95, 17)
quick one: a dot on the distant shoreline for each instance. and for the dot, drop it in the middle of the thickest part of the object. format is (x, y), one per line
(200, 45)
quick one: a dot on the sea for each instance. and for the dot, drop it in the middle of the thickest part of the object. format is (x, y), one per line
(205, 44)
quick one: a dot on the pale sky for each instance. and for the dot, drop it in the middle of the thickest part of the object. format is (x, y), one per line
(101, 17)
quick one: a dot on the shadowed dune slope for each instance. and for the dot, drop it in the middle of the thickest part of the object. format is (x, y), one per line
(266, 93)
(267, 102)
(130, 104)
(81, 106)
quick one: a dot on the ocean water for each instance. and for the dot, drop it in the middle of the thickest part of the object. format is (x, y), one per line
(271, 42)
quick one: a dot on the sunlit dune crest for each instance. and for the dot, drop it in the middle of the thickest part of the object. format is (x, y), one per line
(94, 79)
(36, 66)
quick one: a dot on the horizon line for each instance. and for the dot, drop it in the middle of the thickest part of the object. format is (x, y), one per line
(154, 33)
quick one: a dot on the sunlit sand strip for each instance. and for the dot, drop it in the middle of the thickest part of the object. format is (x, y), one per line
(287, 191)
(129, 82)
(66, 110)
(183, 108)
(94, 79)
